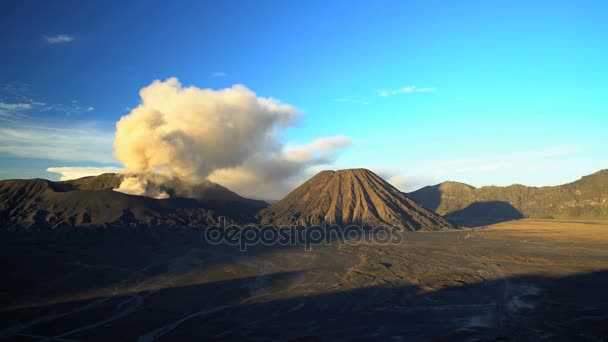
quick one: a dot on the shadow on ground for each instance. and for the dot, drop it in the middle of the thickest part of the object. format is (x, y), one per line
(485, 213)
(287, 305)
(522, 308)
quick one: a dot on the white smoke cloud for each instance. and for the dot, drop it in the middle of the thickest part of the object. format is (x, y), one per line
(74, 172)
(190, 132)
(141, 185)
(271, 176)
(231, 136)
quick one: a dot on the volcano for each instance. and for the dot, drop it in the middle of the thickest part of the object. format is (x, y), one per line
(353, 196)
(92, 202)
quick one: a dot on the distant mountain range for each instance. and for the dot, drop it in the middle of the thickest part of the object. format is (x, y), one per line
(586, 198)
(353, 196)
(91, 202)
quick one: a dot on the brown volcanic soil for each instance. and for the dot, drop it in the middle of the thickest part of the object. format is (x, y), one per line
(525, 280)
(353, 196)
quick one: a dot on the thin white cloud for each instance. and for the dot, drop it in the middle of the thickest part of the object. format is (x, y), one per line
(16, 101)
(74, 172)
(71, 108)
(13, 110)
(218, 74)
(16, 110)
(15, 106)
(405, 90)
(21, 104)
(350, 100)
(58, 39)
(81, 144)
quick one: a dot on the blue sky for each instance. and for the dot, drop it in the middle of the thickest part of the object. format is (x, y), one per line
(482, 92)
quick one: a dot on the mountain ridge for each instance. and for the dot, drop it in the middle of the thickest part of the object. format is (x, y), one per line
(92, 202)
(585, 198)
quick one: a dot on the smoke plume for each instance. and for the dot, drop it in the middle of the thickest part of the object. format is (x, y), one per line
(231, 136)
(271, 176)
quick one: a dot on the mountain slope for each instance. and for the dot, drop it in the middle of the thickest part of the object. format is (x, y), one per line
(354, 196)
(586, 198)
(204, 190)
(105, 181)
(91, 202)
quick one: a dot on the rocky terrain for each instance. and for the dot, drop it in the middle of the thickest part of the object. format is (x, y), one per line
(353, 196)
(586, 198)
(525, 280)
(92, 202)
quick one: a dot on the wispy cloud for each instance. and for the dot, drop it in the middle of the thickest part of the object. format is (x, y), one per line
(70, 108)
(80, 144)
(59, 39)
(16, 110)
(350, 100)
(16, 102)
(405, 90)
(15, 106)
(218, 74)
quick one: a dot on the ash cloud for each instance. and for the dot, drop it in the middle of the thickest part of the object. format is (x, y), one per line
(271, 176)
(230, 136)
(144, 185)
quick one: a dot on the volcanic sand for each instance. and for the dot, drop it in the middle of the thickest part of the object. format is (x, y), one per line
(526, 279)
